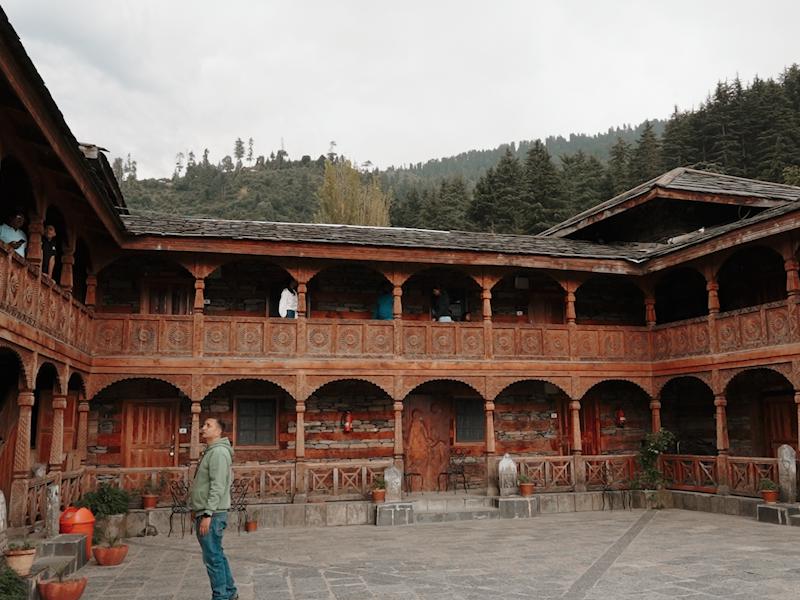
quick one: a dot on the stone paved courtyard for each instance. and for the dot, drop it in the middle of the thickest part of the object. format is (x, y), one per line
(601, 555)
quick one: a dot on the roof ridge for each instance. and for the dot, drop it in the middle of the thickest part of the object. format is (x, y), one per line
(739, 178)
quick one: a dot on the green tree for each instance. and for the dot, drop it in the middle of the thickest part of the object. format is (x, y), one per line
(497, 201)
(345, 198)
(585, 181)
(238, 152)
(250, 151)
(646, 160)
(543, 191)
(117, 169)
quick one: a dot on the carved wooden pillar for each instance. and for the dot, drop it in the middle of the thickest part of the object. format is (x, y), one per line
(575, 426)
(302, 290)
(300, 433)
(486, 296)
(199, 295)
(398, 431)
(792, 278)
(91, 290)
(57, 443)
(655, 414)
(397, 302)
(33, 252)
(720, 402)
(570, 305)
(67, 260)
(22, 453)
(712, 287)
(650, 310)
(488, 408)
(194, 438)
(83, 428)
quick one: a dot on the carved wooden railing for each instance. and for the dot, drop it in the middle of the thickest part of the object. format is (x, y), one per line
(690, 472)
(606, 472)
(36, 501)
(268, 483)
(342, 479)
(36, 300)
(745, 474)
(548, 473)
(72, 486)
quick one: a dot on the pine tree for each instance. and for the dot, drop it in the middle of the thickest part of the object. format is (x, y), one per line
(646, 160)
(584, 181)
(238, 152)
(250, 151)
(676, 143)
(619, 176)
(116, 168)
(543, 191)
(497, 202)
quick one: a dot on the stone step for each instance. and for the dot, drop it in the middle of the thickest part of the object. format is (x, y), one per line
(794, 520)
(439, 504)
(69, 545)
(476, 514)
(778, 513)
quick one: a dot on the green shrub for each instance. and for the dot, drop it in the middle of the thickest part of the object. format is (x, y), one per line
(105, 500)
(12, 587)
(768, 484)
(654, 445)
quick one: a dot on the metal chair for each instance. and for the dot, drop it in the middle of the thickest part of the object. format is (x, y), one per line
(180, 505)
(239, 500)
(455, 469)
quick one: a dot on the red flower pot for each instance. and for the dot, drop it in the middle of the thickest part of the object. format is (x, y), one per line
(378, 496)
(770, 496)
(149, 501)
(109, 556)
(250, 526)
(526, 489)
(71, 589)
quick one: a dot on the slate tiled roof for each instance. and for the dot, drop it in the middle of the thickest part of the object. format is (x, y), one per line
(691, 180)
(398, 237)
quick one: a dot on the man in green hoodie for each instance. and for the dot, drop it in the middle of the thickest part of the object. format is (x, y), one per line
(210, 499)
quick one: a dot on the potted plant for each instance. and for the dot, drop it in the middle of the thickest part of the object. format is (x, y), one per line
(769, 491)
(378, 489)
(12, 586)
(250, 524)
(151, 491)
(61, 588)
(525, 485)
(19, 557)
(109, 551)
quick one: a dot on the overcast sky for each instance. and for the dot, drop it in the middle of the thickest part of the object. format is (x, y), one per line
(390, 82)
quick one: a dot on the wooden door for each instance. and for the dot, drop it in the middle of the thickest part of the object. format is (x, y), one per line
(780, 424)
(426, 425)
(150, 433)
(590, 426)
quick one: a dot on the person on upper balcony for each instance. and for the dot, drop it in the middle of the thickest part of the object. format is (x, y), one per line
(440, 305)
(12, 234)
(49, 250)
(287, 306)
(385, 304)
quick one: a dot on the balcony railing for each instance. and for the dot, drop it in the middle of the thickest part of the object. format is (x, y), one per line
(36, 300)
(690, 472)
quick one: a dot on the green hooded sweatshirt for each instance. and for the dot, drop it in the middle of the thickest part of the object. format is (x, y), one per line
(211, 488)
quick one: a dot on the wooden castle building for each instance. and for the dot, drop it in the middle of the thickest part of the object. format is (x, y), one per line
(672, 305)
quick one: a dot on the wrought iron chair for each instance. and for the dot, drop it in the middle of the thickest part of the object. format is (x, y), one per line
(455, 469)
(180, 506)
(239, 500)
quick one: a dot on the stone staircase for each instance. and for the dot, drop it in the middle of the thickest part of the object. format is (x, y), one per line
(441, 508)
(780, 513)
(60, 554)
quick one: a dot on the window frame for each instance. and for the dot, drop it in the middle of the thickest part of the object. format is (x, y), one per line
(249, 397)
(482, 404)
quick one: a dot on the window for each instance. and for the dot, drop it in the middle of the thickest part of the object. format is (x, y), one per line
(256, 420)
(470, 421)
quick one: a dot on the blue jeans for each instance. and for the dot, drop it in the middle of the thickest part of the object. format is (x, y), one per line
(219, 572)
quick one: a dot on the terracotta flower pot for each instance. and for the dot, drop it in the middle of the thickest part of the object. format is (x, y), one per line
(20, 561)
(770, 496)
(110, 556)
(250, 526)
(149, 501)
(70, 589)
(378, 496)
(526, 489)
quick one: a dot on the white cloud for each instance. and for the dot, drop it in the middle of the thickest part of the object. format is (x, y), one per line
(392, 83)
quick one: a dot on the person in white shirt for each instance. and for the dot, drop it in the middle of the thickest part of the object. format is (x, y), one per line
(287, 307)
(11, 232)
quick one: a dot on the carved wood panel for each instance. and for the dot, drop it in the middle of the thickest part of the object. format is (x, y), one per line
(320, 338)
(414, 339)
(611, 344)
(108, 336)
(349, 340)
(556, 343)
(217, 337)
(249, 338)
(282, 338)
(778, 331)
(636, 345)
(471, 342)
(143, 337)
(531, 343)
(588, 344)
(443, 340)
(177, 337)
(728, 334)
(503, 342)
(380, 339)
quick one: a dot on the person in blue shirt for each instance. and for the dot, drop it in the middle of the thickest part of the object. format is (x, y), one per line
(383, 309)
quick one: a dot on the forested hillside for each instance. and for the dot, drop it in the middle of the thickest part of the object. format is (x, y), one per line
(747, 130)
